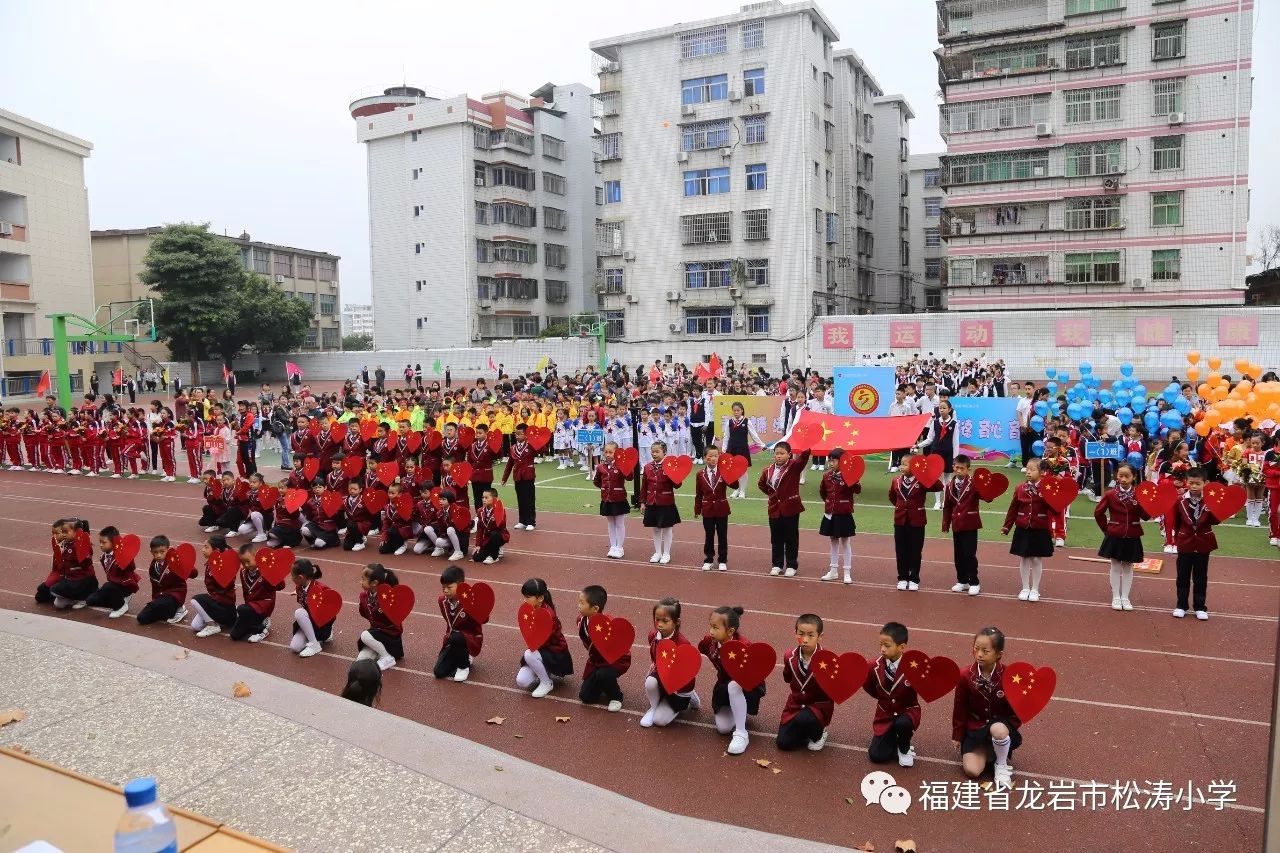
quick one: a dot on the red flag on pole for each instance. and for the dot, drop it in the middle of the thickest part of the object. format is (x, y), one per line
(226, 374)
(714, 365)
(42, 387)
(859, 435)
(117, 378)
(290, 370)
(492, 366)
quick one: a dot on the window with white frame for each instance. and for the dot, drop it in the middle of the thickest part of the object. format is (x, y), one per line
(506, 251)
(706, 181)
(999, 166)
(613, 280)
(833, 227)
(705, 228)
(555, 255)
(754, 129)
(481, 175)
(524, 327)
(757, 176)
(932, 207)
(557, 291)
(704, 135)
(609, 236)
(554, 218)
(1167, 95)
(330, 338)
(510, 213)
(704, 90)
(612, 192)
(1168, 40)
(511, 138)
(753, 82)
(755, 224)
(1166, 153)
(1166, 208)
(1011, 59)
(328, 269)
(1084, 7)
(757, 272)
(705, 274)
(933, 268)
(931, 177)
(552, 147)
(614, 324)
(1100, 104)
(311, 339)
(1092, 213)
(752, 35)
(705, 42)
(1094, 51)
(996, 113)
(261, 261)
(554, 184)
(610, 146)
(306, 267)
(1092, 267)
(708, 321)
(757, 320)
(904, 253)
(503, 175)
(480, 135)
(328, 304)
(283, 264)
(608, 102)
(1166, 264)
(1094, 158)
(932, 238)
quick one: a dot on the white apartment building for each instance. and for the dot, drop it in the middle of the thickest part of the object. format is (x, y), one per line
(1097, 151)
(357, 320)
(925, 197)
(736, 154)
(45, 260)
(481, 213)
(895, 292)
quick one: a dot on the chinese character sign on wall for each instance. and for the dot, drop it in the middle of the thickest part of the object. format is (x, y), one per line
(837, 336)
(1074, 332)
(1153, 331)
(1238, 331)
(977, 333)
(904, 334)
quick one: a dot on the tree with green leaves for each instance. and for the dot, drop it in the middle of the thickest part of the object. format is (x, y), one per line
(357, 343)
(265, 319)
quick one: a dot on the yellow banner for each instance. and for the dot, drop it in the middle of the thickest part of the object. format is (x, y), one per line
(764, 414)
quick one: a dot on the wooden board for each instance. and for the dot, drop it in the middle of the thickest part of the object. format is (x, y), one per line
(1149, 566)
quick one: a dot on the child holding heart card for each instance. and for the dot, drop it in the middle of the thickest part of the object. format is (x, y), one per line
(665, 706)
(1193, 523)
(1031, 519)
(730, 703)
(781, 483)
(809, 709)
(960, 516)
(122, 576)
(168, 587)
(612, 483)
(599, 676)
(216, 609)
(551, 659)
(658, 502)
(253, 618)
(897, 706)
(463, 635)
(383, 640)
(711, 502)
(316, 612)
(983, 724)
(1120, 517)
(837, 491)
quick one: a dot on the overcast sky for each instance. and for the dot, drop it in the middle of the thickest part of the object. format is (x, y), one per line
(235, 113)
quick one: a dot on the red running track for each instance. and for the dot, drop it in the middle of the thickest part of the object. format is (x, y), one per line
(1140, 697)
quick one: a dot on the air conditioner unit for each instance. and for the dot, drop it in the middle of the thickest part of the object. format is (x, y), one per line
(673, 296)
(628, 256)
(279, 279)
(1102, 63)
(672, 327)
(1044, 128)
(479, 182)
(682, 157)
(484, 306)
(1137, 284)
(735, 95)
(600, 288)
(1176, 118)
(1111, 184)
(688, 110)
(726, 152)
(737, 324)
(6, 229)
(631, 299)
(735, 292)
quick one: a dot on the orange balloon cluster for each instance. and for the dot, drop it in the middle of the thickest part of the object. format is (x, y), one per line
(1249, 398)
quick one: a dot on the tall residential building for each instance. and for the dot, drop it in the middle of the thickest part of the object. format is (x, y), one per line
(481, 213)
(894, 291)
(925, 197)
(357, 320)
(45, 262)
(736, 154)
(1097, 151)
(305, 274)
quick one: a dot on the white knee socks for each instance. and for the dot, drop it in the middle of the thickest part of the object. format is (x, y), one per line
(1126, 580)
(668, 534)
(201, 619)
(1024, 569)
(256, 518)
(303, 618)
(1001, 747)
(617, 531)
(453, 540)
(297, 642)
(738, 705)
(533, 660)
(372, 646)
(835, 548)
(1031, 568)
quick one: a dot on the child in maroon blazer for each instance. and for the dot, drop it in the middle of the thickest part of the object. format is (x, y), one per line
(359, 519)
(215, 609)
(907, 495)
(613, 499)
(520, 467)
(253, 617)
(463, 635)
(395, 529)
(122, 581)
(1032, 520)
(599, 677)
(808, 711)
(837, 516)
(664, 707)
(491, 529)
(729, 702)
(961, 516)
(552, 659)
(897, 707)
(711, 501)
(658, 502)
(71, 579)
(215, 502)
(1193, 532)
(286, 528)
(383, 640)
(168, 591)
(1120, 517)
(307, 634)
(481, 458)
(983, 725)
(321, 528)
(781, 483)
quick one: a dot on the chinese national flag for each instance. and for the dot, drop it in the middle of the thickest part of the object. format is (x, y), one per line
(714, 365)
(226, 374)
(857, 434)
(42, 387)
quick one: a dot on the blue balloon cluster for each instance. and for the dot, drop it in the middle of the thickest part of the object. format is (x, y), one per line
(1130, 400)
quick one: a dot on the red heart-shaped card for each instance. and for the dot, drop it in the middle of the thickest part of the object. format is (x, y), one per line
(127, 548)
(57, 549)
(1028, 689)
(926, 469)
(804, 436)
(311, 467)
(1156, 499)
(1224, 501)
(537, 436)
(626, 458)
(404, 506)
(495, 441)
(852, 468)
(294, 499)
(313, 428)
(461, 473)
(369, 430)
(395, 601)
(338, 432)
(412, 442)
(181, 560)
(274, 563)
(732, 467)
(331, 503)
(386, 472)
(839, 676)
(611, 636)
(374, 500)
(677, 467)
(267, 497)
(931, 677)
(748, 664)
(477, 600)
(466, 437)
(460, 514)
(223, 566)
(535, 625)
(83, 547)
(677, 665)
(324, 604)
(1058, 492)
(352, 466)
(434, 439)
(988, 484)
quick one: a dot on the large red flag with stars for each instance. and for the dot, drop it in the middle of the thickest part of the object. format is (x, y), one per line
(857, 434)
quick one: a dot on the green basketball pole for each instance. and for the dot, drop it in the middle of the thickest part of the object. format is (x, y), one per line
(92, 332)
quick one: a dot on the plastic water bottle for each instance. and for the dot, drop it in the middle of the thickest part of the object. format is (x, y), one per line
(147, 826)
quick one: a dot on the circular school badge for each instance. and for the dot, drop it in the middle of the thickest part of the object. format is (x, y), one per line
(864, 399)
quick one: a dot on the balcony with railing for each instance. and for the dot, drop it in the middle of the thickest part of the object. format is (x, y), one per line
(609, 238)
(610, 282)
(996, 114)
(984, 63)
(966, 18)
(998, 272)
(996, 220)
